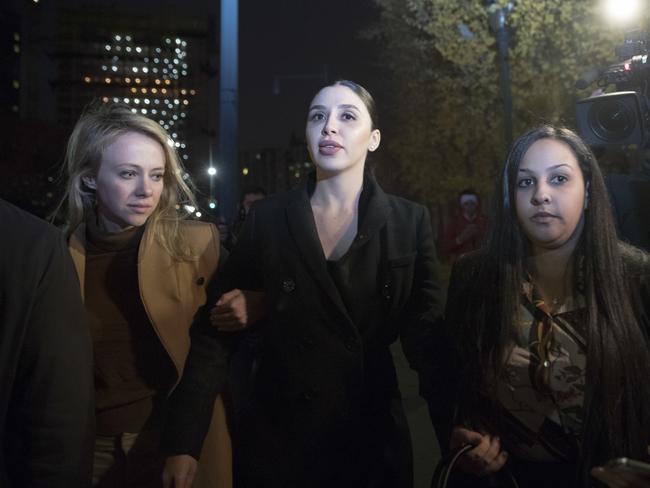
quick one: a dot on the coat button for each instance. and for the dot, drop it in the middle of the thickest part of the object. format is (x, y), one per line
(386, 291)
(288, 285)
(309, 394)
(352, 345)
(200, 281)
(305, 343)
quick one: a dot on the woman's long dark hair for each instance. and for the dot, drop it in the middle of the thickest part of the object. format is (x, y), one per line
(617, 397)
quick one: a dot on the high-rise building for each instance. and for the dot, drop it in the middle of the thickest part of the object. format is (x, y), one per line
(151, 64)
(57, 57)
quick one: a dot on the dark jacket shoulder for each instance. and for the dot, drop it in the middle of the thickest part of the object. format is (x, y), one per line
(25, 227)
(401, 204)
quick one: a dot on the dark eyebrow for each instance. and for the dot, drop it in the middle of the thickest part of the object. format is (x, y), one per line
(347, 105)
(556, 166)
(344, 106)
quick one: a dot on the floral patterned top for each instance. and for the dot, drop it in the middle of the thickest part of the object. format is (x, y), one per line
(542, 389)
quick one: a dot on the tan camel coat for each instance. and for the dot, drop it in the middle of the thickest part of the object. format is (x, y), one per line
(171, 292)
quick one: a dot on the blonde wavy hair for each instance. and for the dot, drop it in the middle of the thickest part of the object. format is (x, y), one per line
(96, 129)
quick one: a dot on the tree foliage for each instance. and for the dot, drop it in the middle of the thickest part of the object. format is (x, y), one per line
(446, 111)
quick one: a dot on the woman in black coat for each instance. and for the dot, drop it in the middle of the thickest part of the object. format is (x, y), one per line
(551, 324)
(346, 269)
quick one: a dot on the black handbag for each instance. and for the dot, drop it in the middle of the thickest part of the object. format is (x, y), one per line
(444, 470)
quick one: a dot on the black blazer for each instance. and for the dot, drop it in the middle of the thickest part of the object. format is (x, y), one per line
(317, 376)
(46, 383)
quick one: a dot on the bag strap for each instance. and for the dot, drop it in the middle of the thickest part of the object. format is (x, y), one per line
(445, 466)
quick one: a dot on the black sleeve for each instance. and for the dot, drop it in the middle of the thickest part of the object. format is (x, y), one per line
(426, 342)
(443, 377)
(423, 310)
(206, 368)
(191, 404)
(51, 411)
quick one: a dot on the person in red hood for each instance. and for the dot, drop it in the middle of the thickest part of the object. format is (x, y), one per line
(467, 229)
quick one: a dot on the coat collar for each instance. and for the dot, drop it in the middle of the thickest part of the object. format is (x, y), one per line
(373, 210)
(77, 248)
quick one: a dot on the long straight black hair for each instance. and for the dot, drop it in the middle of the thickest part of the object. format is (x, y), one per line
(617, 397)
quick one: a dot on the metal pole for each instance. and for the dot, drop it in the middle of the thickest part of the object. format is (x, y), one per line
(498, 17)
(503, 38)
(211, 176)
(228, 109)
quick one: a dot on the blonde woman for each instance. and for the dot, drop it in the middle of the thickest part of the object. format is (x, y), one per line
(143, 272)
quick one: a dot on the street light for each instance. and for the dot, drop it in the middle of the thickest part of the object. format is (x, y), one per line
(212, 171)
(621, 11)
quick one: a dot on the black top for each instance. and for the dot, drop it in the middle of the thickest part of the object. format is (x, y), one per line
(356, 273)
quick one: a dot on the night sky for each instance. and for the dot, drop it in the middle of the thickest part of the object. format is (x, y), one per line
(288, 49)
(292, 38)
(278, 38)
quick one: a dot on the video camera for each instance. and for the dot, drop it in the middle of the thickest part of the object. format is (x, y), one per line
(621, 118)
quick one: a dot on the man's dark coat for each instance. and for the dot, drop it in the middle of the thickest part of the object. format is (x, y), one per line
(46, 386)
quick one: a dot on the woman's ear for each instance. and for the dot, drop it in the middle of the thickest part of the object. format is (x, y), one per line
(90, 182)
(375, 139)
(586, 196)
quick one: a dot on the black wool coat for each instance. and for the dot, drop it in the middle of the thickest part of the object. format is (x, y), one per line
(46, 384)
(324, 408)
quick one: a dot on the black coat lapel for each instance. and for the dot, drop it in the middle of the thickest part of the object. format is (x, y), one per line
(373, 212)
(302, 228)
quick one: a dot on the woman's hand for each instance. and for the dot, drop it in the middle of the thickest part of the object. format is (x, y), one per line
(179, 471)
(238, 309)
(485, 458)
